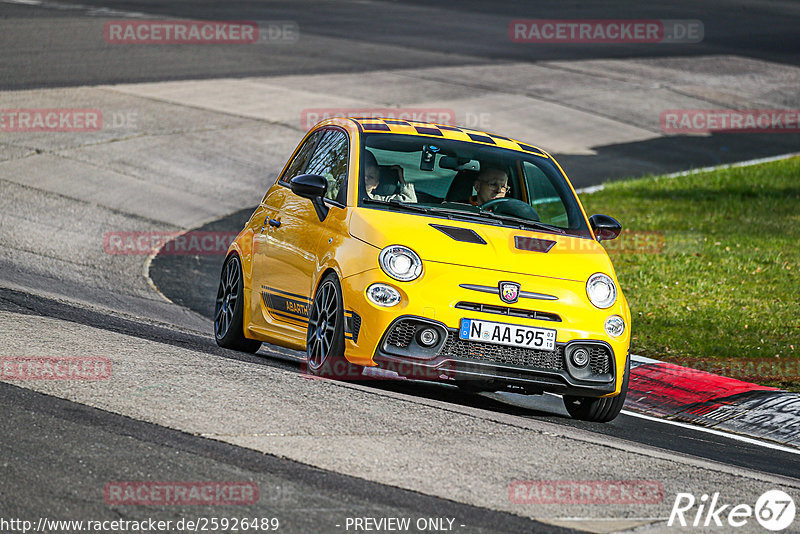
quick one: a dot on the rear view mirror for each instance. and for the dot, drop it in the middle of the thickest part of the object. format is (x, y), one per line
(457, 164)
(312, 187)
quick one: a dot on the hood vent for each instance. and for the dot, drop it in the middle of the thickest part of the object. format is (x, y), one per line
(460, 234)
(532, 244)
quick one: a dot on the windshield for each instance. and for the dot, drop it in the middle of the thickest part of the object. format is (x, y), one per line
(461, 180)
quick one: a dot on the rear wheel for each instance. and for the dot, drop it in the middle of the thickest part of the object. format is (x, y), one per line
(325, 334)
(228, 311)
(599, 410)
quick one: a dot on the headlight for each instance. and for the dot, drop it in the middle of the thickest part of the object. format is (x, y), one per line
(401, 263)
(383, 295)
(601, 290)
(615, 326)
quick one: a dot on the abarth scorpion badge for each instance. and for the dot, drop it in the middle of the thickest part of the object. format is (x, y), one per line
(509, 292)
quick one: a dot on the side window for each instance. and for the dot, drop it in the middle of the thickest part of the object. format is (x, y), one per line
(330, 161)
(544, 197)
(298, 164)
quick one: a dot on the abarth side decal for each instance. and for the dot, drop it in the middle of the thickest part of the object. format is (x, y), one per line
(285, 305)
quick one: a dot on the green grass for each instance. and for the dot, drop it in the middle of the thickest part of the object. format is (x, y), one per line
(725, 286)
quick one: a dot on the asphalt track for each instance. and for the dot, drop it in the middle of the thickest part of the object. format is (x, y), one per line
(57, 454)
(371, 35)
(57, 44)
(68, 436)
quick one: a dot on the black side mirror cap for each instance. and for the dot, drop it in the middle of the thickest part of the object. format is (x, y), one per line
(605, 227)
(312, 187)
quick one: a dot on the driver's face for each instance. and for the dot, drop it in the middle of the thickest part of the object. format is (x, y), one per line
(491, 184)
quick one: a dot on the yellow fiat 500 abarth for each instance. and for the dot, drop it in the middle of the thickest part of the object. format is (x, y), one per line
(436, 252)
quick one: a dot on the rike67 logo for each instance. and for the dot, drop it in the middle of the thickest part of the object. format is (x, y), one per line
(774, 510)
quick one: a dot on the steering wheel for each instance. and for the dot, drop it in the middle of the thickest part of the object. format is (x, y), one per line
(513, 207)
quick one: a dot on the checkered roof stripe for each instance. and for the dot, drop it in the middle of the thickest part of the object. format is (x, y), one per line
(379, 125)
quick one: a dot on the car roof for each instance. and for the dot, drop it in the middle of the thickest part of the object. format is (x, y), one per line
(442, 131)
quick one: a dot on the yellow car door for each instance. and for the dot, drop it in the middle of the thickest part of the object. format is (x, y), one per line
(288, 258)
(266, 243)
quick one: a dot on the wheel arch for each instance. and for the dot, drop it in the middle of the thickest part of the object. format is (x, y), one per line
(325, 271)
(236, 248)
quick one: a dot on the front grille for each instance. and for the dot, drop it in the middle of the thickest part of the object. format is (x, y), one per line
(490, 352)
(401, 335)
(599, 359)
(511, 312)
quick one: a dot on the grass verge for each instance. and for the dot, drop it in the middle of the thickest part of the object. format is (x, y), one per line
(710, 266)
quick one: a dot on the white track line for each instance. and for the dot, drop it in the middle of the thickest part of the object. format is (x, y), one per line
(716, 432)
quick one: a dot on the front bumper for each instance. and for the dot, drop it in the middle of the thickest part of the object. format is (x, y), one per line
(498, 366)
(387, 336)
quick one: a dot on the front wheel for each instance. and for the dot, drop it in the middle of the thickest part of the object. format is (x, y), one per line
(599, 410)
(228, 311)
(325, 334)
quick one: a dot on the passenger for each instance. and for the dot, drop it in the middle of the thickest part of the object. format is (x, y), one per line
(490, 184)
(372, 173)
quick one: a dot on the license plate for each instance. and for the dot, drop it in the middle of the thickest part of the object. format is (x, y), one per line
(508, 334)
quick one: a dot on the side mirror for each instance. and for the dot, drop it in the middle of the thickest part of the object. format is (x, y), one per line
(605, 227)
(312, 187)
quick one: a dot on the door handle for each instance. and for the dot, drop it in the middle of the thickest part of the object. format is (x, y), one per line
(275, 222)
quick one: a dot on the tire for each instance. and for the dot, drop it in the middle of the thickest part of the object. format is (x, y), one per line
(599, 410)
(325, 334)
(228, 311)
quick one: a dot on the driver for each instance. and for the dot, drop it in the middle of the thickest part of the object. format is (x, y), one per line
(491, 183)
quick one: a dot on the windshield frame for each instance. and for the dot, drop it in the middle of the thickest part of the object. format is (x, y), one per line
(546, 164)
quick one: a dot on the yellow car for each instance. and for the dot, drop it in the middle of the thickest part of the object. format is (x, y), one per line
(435, 252)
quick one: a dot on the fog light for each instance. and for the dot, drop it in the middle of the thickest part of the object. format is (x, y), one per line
(383, 295)
(615, 326)
(580, 357)
(428, 337)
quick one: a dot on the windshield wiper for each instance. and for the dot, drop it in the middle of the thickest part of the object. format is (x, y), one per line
(522, 222)
(473, 215)
(396, 203)
(451, 213)
(478, 215)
